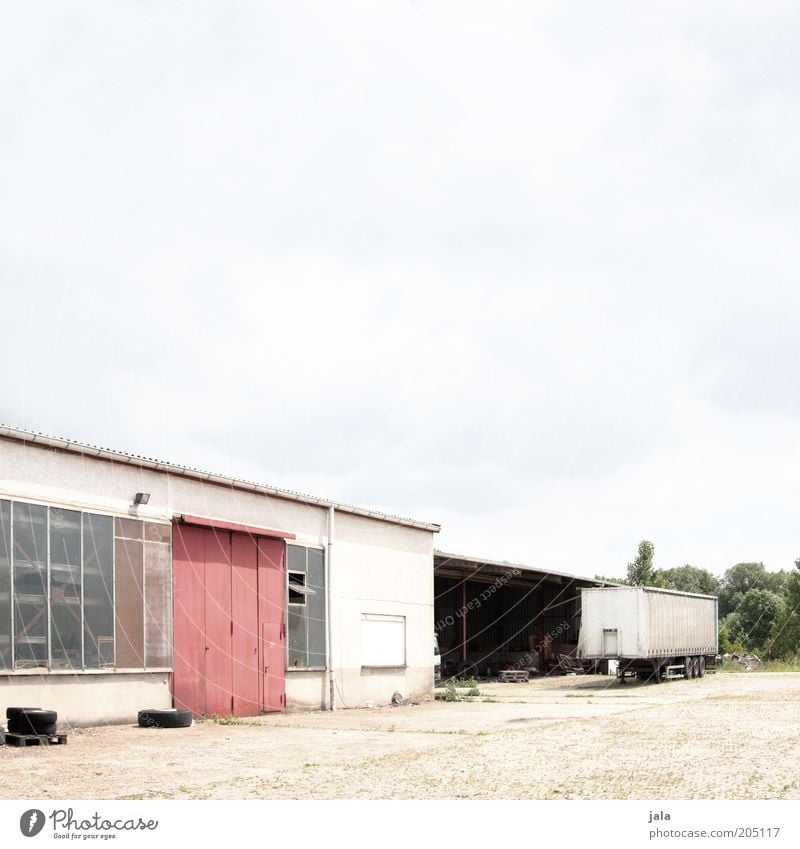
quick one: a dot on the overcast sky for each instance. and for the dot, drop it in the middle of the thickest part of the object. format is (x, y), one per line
(528, 270)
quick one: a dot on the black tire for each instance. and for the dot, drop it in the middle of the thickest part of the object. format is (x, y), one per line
(22, 726)
(688, 668)
(696, 667)
(33, 721)
(165, 718)
(701, 671)
(16, 712)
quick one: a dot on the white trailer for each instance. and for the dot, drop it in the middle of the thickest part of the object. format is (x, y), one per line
(656, 634)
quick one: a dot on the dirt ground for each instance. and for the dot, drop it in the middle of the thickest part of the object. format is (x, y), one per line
(725, 736)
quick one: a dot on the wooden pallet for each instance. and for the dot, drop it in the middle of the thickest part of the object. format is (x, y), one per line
(513, 676)
(36, 739)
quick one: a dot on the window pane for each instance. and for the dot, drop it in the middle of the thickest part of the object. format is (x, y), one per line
(158, 604)
(315, 609)
(30, 585)
(65, 589)
(295, 558)
(296, 632)
(5, 584)
(128, 528)
(128, 569)
(98, 591)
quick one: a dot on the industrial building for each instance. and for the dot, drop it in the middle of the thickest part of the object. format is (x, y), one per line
(129, 583)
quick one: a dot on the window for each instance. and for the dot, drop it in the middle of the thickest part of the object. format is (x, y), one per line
(5, 585)
(82, 591)
(98, 591)
(305, 608)
(297, 588)
(383, 640)
(66, 629)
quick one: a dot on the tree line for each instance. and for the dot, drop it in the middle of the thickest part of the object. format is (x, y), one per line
(759, 611)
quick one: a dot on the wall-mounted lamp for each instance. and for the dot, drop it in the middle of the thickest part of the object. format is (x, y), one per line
(141, 498)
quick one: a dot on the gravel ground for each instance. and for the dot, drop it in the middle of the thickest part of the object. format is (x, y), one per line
(726, 736)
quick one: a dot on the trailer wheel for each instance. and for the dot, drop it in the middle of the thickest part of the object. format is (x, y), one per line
(701, 670)
(688, 668)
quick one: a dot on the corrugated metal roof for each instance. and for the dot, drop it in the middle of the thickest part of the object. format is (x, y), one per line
(505, 564)
(22, 435)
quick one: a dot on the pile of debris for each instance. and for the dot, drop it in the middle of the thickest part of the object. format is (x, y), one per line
(746, 661)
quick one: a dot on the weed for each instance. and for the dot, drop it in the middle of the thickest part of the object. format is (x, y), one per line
(227, 720)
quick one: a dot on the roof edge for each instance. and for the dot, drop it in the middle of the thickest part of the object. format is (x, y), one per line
(508, 564)
(75, 447)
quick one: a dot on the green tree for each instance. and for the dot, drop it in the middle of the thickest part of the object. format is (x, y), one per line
(727, 643)
(785, 636)
(606, 579)
(642, 572)
(732, 624)
(738, 581)
(757, 613)
(691, 579)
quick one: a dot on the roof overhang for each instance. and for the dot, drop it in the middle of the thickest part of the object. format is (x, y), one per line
(222, 525)
(466, 567)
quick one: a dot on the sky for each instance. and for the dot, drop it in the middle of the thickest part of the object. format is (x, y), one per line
(526, 270)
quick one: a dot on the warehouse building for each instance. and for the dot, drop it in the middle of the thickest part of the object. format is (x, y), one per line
(492, 615)
(129, 583)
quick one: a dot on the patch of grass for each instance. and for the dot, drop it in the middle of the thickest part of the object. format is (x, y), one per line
(450, 694)
(489, 700)
(768, 666)
(453, 690)
(227, 720)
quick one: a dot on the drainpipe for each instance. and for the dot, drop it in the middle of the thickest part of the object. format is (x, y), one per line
(328, 610)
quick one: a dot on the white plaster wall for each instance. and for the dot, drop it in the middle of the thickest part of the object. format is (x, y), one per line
(377, 567)
(93, 699)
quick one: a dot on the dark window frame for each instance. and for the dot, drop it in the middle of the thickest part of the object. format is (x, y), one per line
(104, 658)
(299, 598)
(315, 646)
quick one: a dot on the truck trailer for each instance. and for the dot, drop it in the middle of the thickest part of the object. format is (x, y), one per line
(653, 633)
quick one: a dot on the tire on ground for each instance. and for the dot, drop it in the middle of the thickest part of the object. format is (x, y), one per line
(695, 667)
(21, 726)
(688, 668)
(16, 712)
(701, 667)
(165, 718)
(32, 721)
